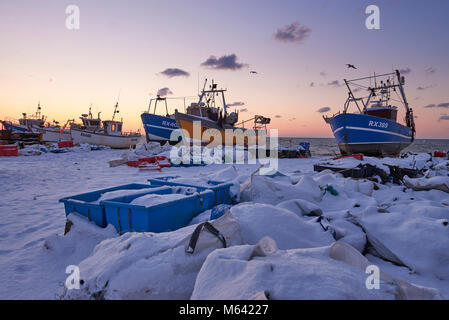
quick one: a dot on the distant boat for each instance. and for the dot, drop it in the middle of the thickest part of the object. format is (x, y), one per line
(209, 115)
(107, 133)
(374, 130)
(36, 124)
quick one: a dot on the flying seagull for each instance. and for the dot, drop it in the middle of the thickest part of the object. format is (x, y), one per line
(351, 66)
(253, 72)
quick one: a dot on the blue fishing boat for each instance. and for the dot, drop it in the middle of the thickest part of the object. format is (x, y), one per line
(158, 128)
(374, 130)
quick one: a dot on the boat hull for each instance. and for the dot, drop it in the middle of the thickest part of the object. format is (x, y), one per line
(52, 134)
(370, 135)
(48, 134)
(236, 136)
(115, 142)
(14, 127)
(158, 128)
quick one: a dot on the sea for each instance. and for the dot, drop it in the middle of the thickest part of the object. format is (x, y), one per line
(329, 147)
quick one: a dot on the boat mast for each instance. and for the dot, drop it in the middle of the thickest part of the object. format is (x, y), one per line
(401, 90)
(38, 111)
(351, 97)
(224, 103)
(115, 111)
(203, 92)
(410, 121)
(116, 106)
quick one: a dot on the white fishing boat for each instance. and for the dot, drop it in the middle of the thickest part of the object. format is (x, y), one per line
(107, 133)
(53, 132)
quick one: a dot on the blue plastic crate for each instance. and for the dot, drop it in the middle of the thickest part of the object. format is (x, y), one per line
(305, 145)
(162, 217)
(84, 205)
(221, 190)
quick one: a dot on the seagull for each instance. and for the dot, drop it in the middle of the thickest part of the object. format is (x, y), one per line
(351, 66)
(253, 72)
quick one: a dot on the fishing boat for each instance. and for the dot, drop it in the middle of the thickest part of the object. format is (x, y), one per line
(208, 114)
(374, 129)
(36, 123)
(158, 127)
(107, 133)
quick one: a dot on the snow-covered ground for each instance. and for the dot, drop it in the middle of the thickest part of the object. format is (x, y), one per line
(403, 232)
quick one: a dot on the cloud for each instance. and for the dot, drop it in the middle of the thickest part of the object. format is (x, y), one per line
(244, 110)
(226, 62)
(323, 109)
(278, 116)
(426, 87)
(292, 119)
(441, 105)
(293, 32)
(236, 104)
(175, 72)
(323, 74)
(405, 71)
(164, 92)
(430, 70)
(334, 83)
(444, 117)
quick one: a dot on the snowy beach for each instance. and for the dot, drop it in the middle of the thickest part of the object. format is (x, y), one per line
(290, 223)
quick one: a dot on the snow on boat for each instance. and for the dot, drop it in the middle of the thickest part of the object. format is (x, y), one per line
(107, 133)
(374, 130)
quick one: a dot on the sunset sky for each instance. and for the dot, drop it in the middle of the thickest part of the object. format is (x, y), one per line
(299, 49)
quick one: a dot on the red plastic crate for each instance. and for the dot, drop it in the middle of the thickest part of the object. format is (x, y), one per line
(65, 144)
(439, 154)
(358, 156)
(163, 162)
(9, 150)
(134, 164)
(148, 159)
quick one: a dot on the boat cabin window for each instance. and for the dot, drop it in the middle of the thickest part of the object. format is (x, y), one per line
(383, 112)
(90, 123)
